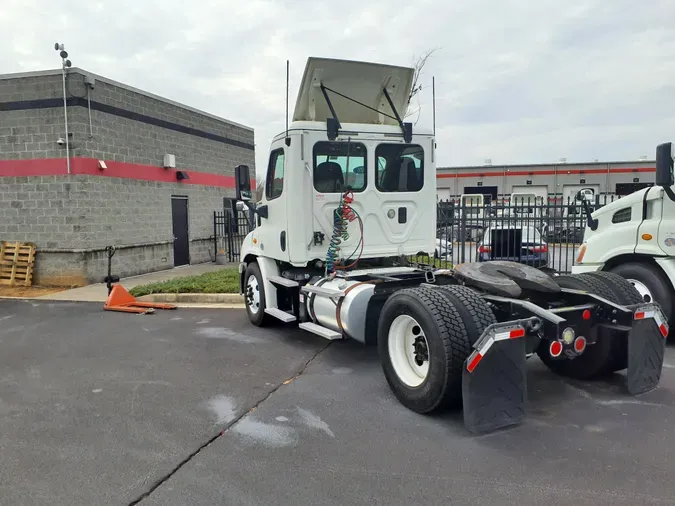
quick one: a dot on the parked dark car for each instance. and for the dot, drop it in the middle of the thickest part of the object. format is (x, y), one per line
(515, 243)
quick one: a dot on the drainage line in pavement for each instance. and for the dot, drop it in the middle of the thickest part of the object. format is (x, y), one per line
(227, 427)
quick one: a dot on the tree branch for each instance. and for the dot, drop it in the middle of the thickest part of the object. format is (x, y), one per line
(418, 65)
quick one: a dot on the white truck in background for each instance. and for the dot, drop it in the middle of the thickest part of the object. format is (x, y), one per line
(635, 237)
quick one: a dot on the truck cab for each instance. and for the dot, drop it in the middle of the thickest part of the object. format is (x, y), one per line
(635, 237)
(346, 144)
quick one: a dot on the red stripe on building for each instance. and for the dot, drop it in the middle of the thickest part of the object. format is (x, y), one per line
(89, 167)
(534, 173)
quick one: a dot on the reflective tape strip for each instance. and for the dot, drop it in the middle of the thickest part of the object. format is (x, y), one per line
(511, 334)
(658, 318)
(477, 355)
(642, 315)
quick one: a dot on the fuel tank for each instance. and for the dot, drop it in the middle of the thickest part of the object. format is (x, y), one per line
(346, 314)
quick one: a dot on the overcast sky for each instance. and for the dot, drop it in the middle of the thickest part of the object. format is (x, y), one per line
(517, 81)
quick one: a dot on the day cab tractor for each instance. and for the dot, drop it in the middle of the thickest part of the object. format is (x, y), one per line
(634, 237)
(350, 194)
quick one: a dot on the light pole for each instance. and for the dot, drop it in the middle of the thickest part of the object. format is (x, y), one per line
(65, 63)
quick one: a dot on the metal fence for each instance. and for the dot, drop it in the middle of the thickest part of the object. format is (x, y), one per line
(536, 232)
(230, 227)
(532, 232)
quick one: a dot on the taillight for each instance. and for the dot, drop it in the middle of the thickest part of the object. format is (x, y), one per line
(484, 249)
(540, 249)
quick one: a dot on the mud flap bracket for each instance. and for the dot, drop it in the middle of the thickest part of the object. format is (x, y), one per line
(646, 349)
(494, 380)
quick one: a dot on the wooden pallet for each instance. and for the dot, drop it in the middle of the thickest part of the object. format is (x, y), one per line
(16, 263)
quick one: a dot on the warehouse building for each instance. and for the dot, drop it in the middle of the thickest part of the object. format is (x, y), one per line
(554, 182)
(143, 174)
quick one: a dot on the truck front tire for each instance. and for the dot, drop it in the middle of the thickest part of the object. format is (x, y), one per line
(650, 281)
(254, 295)
(424, 337)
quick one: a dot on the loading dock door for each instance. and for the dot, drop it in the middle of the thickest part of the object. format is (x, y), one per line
(538, 190)
(490, 192)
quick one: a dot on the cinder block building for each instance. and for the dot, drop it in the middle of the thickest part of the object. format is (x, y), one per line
(143, 174)
(554, 182)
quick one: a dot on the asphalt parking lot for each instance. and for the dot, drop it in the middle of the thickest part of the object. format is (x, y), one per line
(196, 406)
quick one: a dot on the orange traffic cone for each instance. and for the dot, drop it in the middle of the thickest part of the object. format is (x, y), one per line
(121, 300)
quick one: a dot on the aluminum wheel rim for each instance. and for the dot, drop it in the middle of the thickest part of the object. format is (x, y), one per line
(404, 334)
(642, 290)
(253, 294)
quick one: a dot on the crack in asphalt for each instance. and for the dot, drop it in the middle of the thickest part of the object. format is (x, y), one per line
(227, 427)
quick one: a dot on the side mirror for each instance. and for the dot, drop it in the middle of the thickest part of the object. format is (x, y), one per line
(242, 178)
(579, 196)
(664, 165)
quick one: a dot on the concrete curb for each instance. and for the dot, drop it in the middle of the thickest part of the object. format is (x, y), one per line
(198, 298)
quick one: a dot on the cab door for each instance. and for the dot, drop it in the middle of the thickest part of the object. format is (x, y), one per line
(272, 226)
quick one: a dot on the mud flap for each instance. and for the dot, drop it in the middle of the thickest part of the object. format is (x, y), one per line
(646, 349)
(494, 381)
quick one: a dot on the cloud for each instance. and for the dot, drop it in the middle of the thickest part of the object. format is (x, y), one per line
(517, 81)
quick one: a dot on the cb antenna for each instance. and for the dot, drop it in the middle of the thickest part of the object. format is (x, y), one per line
(433, 100)
(288, 66)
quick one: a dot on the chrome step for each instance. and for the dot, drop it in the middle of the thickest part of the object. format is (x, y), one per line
(329, 334)
(320, 290)
(279, 280)
(281, 315)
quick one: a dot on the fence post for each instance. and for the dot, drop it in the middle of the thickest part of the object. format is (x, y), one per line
(232, 225)
(215, 237)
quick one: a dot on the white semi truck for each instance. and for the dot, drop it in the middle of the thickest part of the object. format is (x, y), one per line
(330, 257)
(634, 237)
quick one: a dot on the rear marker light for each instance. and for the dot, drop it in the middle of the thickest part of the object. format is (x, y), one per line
(580, 344)
(586, 315)
(555, 349)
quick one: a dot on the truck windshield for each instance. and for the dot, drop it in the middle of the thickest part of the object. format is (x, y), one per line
(338, 165)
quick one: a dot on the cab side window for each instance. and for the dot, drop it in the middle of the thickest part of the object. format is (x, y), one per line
(274, 185)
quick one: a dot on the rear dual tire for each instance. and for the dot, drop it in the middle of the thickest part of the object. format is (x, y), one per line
(609, 353)
(424, 337)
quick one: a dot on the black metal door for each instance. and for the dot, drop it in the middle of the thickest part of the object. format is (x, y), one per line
(181, 245)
